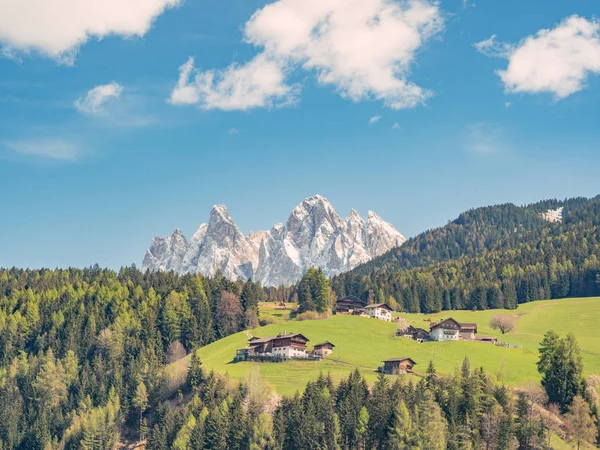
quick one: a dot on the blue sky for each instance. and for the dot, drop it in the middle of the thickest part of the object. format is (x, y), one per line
(92, 175)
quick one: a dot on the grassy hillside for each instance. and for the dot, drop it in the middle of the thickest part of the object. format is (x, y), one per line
(364, 343)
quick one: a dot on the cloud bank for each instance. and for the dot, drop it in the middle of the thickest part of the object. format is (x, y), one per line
(57, 28)
(558, 61)
(364, 49)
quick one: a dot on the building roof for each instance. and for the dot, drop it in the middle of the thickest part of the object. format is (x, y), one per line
(323, 343)
(444, 322)
(461, 326)
(399, 360)
(380, 305)
(349, 300)
(256, 340)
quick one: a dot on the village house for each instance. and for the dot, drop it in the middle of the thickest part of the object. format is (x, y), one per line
(282, 346)
(323, 349)
(348, 306)
(396, 366)
(468, 331)
(418, 334)
(381, 311)
(451, 330)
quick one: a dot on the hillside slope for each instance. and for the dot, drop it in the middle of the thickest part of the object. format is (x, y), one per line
(363, 343)
(494, 257)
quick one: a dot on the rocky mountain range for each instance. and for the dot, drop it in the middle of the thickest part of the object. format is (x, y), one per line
(313, 236)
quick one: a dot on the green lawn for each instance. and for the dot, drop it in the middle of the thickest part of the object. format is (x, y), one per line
(275, 313)
(364, 343)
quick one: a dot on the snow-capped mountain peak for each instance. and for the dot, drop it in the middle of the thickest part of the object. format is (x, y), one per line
(314, 235)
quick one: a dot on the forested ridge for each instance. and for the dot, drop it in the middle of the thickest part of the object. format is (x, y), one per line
(76, 345)
(493, 257)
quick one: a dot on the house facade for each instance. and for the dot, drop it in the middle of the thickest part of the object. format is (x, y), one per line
(451, 330)
(396, 366)
(446, 330)
(283, 346)
(347, 306)
(381, 311)
(323, 349)
(468, 331)
(418, 334)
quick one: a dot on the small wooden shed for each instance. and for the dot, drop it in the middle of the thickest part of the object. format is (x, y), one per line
(397, 366)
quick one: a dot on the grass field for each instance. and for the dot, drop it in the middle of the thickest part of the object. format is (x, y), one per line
(276, 314)
(364, 343)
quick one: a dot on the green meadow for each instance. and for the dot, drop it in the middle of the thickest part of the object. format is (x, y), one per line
(363, 343)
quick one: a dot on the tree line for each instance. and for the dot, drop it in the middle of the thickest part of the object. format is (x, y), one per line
(465, 411)
(77, 345)
(494, 257)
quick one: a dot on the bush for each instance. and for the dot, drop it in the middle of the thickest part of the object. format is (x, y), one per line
(268, 320)
(310, 315)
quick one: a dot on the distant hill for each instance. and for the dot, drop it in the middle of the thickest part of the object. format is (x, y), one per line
(489, 257)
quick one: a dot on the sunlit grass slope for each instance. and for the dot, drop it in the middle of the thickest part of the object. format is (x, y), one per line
(364, 343)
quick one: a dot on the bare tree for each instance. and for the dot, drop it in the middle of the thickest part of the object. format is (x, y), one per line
(176, 351)
(402, 324)
(503, 323)
(593, 382)
(580, 424)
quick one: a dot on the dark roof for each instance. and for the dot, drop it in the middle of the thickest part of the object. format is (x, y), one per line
(399, 360)
(256, 340)
(323, 343)
(450, 319)
(380, 305)
(349, 300)
(423, 330)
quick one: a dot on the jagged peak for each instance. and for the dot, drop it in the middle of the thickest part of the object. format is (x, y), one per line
(219, 213)
(314, 234)
(373, 215)
(353, 216)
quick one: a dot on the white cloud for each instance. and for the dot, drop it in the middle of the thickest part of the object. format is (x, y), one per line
(57, 28)
(396, 126)
(232, 131)
(486, 138)
(259, 83)
(363, 48)
(494, 49)
(558, 60)
(374, 119)
(54, 149)
(9, 53)
(507, 104)
(96, 98)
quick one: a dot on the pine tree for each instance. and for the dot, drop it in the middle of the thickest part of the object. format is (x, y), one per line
(140, 401)
(403, 434)
(195, 375)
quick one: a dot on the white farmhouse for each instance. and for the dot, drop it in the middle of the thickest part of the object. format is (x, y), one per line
(381, 311)
(451, 330)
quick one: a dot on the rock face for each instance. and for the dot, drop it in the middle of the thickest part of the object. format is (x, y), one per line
(313, 236)
(553, 215)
